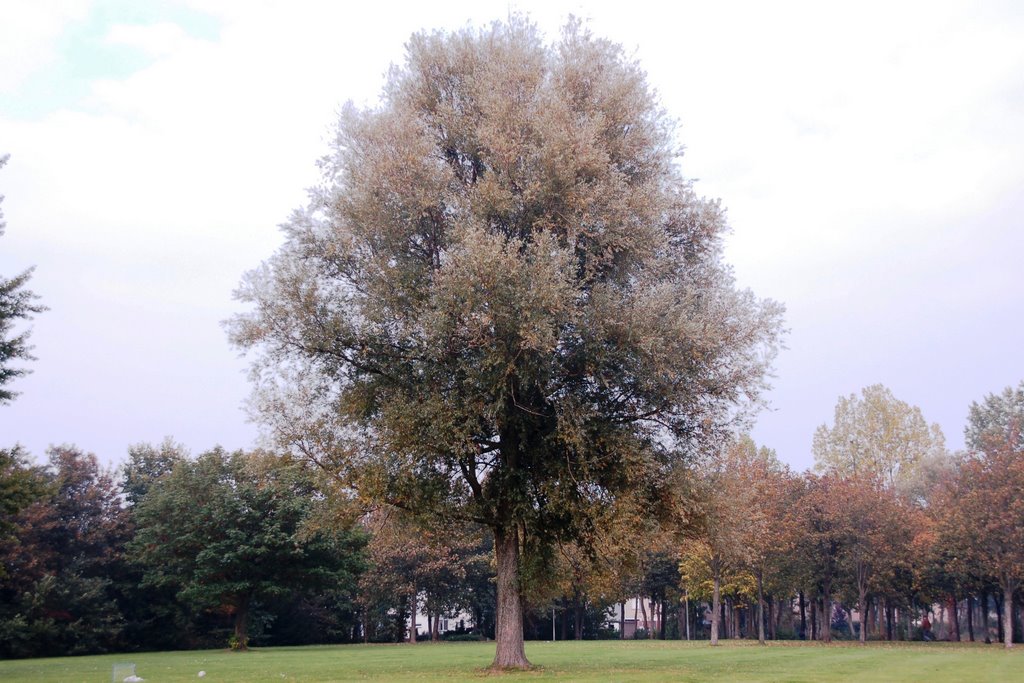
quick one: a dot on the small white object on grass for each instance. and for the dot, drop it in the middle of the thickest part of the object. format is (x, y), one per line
(201, 674)
(133, 679)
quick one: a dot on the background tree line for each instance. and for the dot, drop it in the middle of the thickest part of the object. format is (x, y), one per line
(233, 548)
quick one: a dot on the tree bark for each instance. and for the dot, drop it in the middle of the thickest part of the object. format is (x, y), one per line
(814, 619)
(684, 614)
(412, 617)
(643, 611)
(715, 601)
(803, 617)
(862, 607)
(954, 611)
(1008, 614)
(578, 621)
(661, 619)
(826, 614)
(565, 618)
(887, 615)
(983, 599)
(999, 619)
(622, 620)
(970, 618)
(510, 652)
(760, 607)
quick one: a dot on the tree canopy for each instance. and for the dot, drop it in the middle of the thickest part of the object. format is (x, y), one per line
(504, 299)
(876, 435)
(16, 304)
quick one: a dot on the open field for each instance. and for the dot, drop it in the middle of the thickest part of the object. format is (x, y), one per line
(575, 661)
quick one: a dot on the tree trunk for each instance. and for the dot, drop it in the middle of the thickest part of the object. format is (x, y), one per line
(565, 618)
(970, 618)
(622, 620)
(862, 607)
(510, 652)
(715, 602)
(826, 614)
(954, 612)
(578, 620)
(1008, 614)
(643, 611)
(983, 599)
(412, 617)
(241, 641)
(683, 619)
(760, 607)
(803, 617)
(887, 615)
(999, 618)
(814, 619)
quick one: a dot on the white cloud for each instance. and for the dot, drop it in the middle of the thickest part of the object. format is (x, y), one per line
(158, 40)
(29, 34)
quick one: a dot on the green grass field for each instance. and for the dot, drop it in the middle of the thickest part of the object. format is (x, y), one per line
(571, 661)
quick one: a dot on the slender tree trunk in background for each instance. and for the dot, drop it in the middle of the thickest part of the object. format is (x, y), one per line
(954, 611)
(814, 619)
(683, 619)
(983, 599)
(647, 623)
(1000, 635)
(775, 618)
(412, 617)
(1007, 614)
(715, 602)
(849, 624)
(887, 614)
(1017, 616)
(578, 621)
(661, 618)
(366, 626)
(803, 617)
(826, 614)
(862, 607)
(509, 613)
(760, 607)
(622, 620)
(565, 618)
(970, 618)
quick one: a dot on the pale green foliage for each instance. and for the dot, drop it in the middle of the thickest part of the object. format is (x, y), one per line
(998, 419)
(876, 435)
(504, 295)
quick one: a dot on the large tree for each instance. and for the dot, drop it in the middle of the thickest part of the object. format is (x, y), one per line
(504, 300)
(16, 304)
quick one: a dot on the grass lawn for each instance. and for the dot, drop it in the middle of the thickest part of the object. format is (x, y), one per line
(575, 661)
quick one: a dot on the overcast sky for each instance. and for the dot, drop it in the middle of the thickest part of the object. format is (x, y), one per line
(871, 157)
